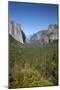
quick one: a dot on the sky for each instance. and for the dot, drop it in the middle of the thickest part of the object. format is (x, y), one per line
(33, 17)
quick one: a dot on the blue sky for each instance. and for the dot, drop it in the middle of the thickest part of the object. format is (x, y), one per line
(33, 17)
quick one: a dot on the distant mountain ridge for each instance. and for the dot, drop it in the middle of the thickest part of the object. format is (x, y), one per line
(45, 36)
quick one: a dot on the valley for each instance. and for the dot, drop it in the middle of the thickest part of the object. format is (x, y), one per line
(32, 65)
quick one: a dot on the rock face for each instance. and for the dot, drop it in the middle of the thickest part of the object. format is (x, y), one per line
(16, 32)
(52, 32)
(41, 37)
(45, 36)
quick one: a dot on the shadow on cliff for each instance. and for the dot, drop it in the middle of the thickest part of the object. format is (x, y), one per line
(24, 37)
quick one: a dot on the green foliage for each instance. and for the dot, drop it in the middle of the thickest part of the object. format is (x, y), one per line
(32, 65)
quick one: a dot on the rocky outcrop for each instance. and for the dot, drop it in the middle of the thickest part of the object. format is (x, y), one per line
(16, 32)
(45, 36)
(52, 32)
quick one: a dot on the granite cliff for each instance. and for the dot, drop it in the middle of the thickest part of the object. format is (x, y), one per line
(16, 32)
